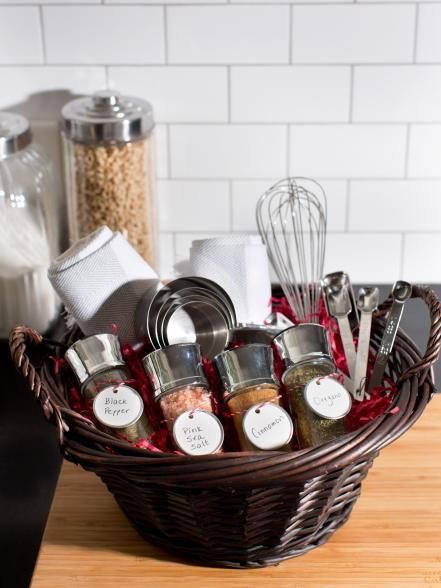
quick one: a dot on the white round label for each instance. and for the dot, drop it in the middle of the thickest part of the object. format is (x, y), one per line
(327, 398)
(118, 406)
(267, 426)
(198, 432)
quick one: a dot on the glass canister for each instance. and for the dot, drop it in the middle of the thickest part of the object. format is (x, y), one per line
(182, 391)
(320, 403)
(28, 229)
(109, 168)
(105, 383)
(251, 394)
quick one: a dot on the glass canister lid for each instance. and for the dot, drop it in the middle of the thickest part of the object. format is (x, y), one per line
(107, 117)
(15, 133)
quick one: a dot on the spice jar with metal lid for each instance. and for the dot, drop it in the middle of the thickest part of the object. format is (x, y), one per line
(181, 388)
(319, 402)
(109, 168)
(105, 382)
(251, 394)
(28, 229)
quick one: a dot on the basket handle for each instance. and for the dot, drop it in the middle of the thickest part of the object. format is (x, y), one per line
(19, 339)
(422, 367)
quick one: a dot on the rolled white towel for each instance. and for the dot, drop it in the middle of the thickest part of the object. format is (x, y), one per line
(239, 264)
(100, 280)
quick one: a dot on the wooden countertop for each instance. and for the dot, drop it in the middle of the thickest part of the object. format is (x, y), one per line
(393, 537)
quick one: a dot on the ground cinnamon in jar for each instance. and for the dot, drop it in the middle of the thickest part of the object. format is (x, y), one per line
(182, 391)
(249, 382)
(306, 352)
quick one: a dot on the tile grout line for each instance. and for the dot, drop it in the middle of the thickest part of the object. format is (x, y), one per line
(288, 149)
(216, 64)
(415, 33)
(402, 249)
(351, 94)
(42, 33)
(407, 152)
(230, 201)
(175, 250)
(318, 178)
(165, 17)
(348, 204)
(169, 166)
(290, 38)
(250, 4)
(229, 94)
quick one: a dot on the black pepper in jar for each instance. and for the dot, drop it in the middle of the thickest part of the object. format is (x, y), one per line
(106, 386)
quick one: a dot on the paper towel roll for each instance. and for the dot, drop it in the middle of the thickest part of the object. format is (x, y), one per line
(100, 280)
(239, 264)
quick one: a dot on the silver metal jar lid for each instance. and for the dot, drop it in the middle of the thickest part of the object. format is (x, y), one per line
(87, 357)
(175, 366)
(15, 133)
(246, 366)
(107, 117)
(303, 342)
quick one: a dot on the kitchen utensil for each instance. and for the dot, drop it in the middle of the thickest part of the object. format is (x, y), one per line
(336, 290)
(177, 303)
(333, 281)
(291, 218)
(209, 327)
(188, 310)
(401, 292)
(367, 302)
(109, 168)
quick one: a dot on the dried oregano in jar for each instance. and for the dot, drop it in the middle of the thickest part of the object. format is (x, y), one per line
(109, 168)
(318, 402)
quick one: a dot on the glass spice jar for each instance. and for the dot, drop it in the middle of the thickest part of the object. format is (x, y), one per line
(249, 382)
(306, 352)
(181, 388)
(109, 168)
(100, 368)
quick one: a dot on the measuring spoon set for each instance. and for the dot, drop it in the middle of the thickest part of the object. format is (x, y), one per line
(350, 313)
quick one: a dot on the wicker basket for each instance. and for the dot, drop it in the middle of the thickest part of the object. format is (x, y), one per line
(239, 509)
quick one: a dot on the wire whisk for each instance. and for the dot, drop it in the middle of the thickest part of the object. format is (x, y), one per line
(291, 218)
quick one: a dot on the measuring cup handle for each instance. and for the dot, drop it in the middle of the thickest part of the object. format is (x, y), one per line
(432, 352)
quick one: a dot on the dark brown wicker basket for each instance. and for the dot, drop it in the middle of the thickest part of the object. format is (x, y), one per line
(239, 509)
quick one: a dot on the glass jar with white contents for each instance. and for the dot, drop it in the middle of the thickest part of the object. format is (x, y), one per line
(28, 229)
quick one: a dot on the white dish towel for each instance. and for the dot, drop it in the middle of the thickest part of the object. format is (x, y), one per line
(100, 280)
(239, 264)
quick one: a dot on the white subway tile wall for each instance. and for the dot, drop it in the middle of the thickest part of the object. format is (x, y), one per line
(246, 92)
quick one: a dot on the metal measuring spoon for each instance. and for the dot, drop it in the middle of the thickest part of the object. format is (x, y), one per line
(401, 292)
(339, 305)
(334, 282)
(367, 302)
